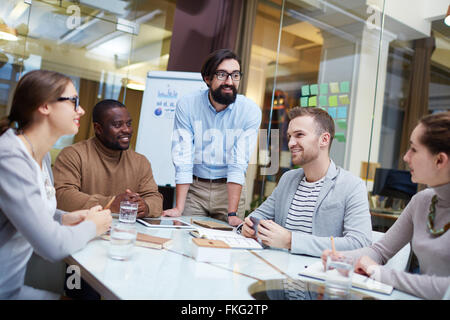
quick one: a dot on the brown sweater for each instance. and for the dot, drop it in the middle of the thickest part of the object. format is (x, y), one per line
(87, 173)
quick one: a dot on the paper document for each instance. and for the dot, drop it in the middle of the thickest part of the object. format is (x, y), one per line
(234, 240)
(316, 271)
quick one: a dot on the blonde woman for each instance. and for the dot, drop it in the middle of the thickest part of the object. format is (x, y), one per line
(45, 106)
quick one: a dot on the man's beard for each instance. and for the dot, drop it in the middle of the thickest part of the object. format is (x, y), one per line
(225, 99)
(306, 158)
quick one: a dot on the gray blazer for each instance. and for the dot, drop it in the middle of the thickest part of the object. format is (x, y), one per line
(341, 211)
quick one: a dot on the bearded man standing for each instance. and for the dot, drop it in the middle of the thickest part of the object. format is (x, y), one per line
(215, 132)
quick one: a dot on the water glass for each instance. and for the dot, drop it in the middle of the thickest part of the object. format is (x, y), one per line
(338, 280)
(122, 240)
(128, 212)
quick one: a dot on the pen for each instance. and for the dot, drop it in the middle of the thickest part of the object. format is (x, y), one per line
(109, 203)
(332, 246)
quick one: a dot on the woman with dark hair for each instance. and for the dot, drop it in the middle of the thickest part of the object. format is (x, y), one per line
(45, 106)
(424, 222)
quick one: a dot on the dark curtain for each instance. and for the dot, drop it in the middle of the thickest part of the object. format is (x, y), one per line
(133, 101)
(417, 101)
(201, 27)
(88, 98)
(245, 38)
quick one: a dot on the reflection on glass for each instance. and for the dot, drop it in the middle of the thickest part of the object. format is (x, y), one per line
(106, 47)
(296, 289)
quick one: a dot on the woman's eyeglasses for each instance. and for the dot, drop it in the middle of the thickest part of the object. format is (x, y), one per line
(75, 100)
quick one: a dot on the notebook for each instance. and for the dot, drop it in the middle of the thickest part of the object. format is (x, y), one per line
(231, 238)
(316, 271)
(212, 225)
(147, 241)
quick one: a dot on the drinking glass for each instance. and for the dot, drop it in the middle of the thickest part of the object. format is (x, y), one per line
(338, 280)
(122, 240)
(128, 212)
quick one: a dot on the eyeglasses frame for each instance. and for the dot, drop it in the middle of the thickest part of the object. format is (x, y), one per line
(229, 75)
(75, 100)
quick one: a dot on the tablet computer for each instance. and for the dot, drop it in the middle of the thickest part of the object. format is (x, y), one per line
(164, 223)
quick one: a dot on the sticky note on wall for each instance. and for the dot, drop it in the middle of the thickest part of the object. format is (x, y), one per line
(312, 102)
(345, 86)
(340, 136)
(323, 101)
(314, 89)
(341, 113)
(332, 112)
(304, 101)
(343, 99)
(332, 101)
(305, 90)
(324, 88)
(342, 123)
(334, 87)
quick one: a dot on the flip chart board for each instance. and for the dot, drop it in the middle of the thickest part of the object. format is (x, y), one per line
(154, 138)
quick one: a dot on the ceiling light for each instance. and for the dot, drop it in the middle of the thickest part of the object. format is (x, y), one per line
(7, 33)
(447, 17)
(135, 85)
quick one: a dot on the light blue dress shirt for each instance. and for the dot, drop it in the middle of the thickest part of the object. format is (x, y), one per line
(211, 144)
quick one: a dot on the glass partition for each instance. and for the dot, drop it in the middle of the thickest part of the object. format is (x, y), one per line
(327, 56)
(365, 62)
(106, 47)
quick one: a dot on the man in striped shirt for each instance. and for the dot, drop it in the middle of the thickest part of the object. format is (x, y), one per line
(317, 201)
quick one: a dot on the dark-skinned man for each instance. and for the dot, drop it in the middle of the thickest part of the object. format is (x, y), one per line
(103, 170)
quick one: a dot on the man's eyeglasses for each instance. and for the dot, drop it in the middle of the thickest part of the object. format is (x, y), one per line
(223, 75)
(75, 100)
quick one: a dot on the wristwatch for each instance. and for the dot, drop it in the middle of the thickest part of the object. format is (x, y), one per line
(231, 214)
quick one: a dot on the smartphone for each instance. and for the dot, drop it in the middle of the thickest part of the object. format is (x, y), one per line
(255, 223)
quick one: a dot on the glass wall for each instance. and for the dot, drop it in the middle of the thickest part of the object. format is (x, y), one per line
(106, 47)
(355, 59)
(373, 65)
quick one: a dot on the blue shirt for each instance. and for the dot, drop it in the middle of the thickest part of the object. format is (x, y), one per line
(211, 144)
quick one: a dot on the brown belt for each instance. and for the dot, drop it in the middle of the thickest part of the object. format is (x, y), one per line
(220, 180)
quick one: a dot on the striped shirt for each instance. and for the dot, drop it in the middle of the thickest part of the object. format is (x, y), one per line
(294, 289)
(302, 207)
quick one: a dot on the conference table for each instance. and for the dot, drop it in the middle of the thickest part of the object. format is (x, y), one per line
(173, 273)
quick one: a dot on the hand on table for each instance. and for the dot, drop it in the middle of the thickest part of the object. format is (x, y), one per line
(131, 196)
(366, 266)
(174, 212)
(143, 209)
